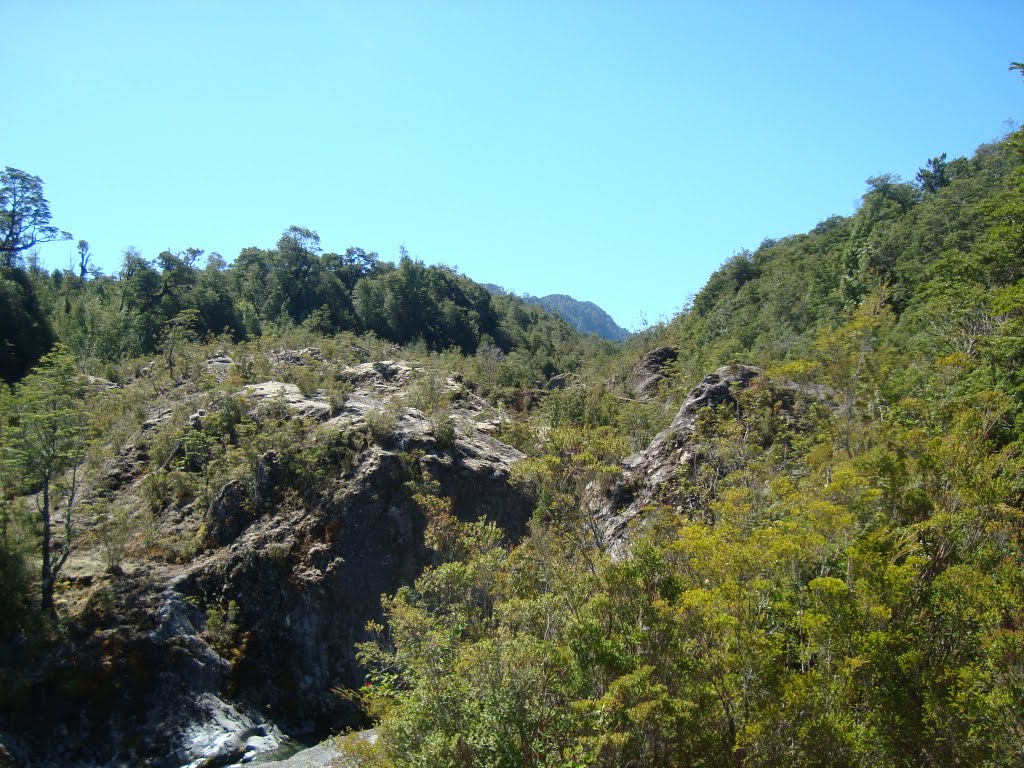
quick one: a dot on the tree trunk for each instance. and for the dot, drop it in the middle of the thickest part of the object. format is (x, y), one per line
(46, 603)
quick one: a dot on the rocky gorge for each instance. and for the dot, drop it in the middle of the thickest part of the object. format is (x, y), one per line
(219, 657)
(208, 660)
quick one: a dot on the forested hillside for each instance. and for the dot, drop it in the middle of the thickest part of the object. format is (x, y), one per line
(828, 570)
(797, 543)
(152, 305)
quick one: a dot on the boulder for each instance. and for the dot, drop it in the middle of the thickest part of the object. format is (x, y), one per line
(645, 379)
(296, 356)
(290, 396)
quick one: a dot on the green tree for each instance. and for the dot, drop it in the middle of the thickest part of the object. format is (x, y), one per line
(24, 215)
(935, 175)
(45, 436)
(179, 331)
(25, 331)
(296, 274)
(84, 259)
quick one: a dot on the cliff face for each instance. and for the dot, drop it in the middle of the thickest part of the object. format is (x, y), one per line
(197, 663)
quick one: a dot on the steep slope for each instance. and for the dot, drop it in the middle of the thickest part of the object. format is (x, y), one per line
(584, 316)
(940, 256)
(213, 655)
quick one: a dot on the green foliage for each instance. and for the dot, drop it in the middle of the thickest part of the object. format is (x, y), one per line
(574, 463)
(222, 628)
(24, 216)
(45, 444)
(115, 529)
(25, 332)
(429, 303)
(846, 587)
(381, 422)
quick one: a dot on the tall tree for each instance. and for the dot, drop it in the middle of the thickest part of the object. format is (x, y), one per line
(46, 441)
(84, 259)
(934, 176)
(25, 330)
(24, 215)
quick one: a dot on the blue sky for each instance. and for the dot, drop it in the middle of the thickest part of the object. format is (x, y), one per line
(615, 151)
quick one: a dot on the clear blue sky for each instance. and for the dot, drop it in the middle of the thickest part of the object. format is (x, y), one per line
(615, 151)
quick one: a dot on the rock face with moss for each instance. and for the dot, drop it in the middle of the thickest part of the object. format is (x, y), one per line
(250, 631)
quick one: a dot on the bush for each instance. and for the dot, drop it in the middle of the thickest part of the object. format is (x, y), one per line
(222, 628)
(115, 530)
(443, 427)
(381, 422)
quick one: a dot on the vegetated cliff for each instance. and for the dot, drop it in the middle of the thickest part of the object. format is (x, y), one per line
(670, 472)
(202, 658)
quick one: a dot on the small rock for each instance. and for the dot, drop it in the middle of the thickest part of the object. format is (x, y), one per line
(561, 381)
(101, 385)
(156, 419)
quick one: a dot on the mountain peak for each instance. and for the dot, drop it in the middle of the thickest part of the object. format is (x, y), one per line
(584, 316)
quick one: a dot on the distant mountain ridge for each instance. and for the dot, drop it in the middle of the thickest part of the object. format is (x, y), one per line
(584, 316)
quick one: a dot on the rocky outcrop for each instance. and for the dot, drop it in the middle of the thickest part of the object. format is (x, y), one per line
(332, 753)
(307, 579)
(134, 677)
(289, 395)
(645, 379)
(212, 660)
(651, 478)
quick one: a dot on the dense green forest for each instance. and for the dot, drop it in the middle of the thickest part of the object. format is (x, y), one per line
(843, 587)
(148, 306)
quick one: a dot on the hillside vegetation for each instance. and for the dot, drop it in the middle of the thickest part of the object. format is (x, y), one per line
(803, 549)
(181, 297)
(833, 584)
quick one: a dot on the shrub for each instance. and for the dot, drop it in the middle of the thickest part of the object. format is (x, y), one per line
(381, 422)
(443, 427)
(115, 530)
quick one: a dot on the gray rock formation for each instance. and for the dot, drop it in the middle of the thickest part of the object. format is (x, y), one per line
(288, 395)
(646, 377)
(328, 754)
(651, 477)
